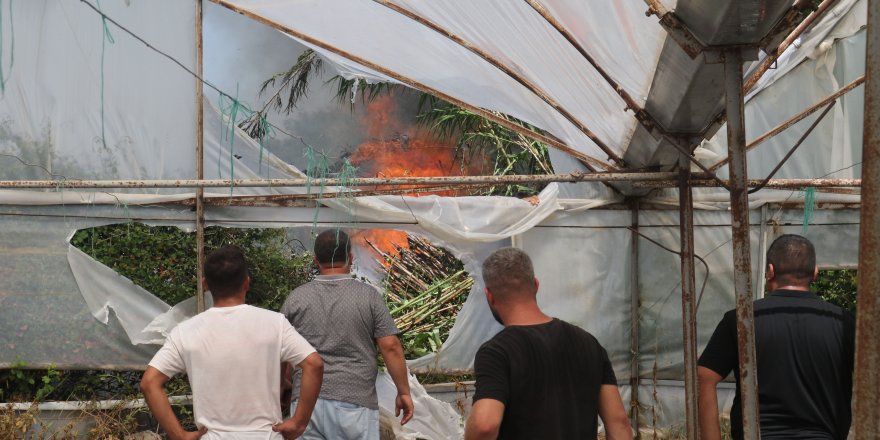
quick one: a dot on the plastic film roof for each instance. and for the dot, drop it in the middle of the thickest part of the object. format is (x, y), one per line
(375, 41)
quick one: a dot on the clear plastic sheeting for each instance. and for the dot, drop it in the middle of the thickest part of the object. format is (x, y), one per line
(145, 318)
(526, 43)
(459, 219)
(83, 101)
(842, 20)
(582, 283)
(662, 404)
(103, 289)
(829, 57)
(433, 419)
(44, 319)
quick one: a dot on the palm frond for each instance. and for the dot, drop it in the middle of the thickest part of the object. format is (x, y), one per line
(514, 153)
(295, 80)
(367, 91)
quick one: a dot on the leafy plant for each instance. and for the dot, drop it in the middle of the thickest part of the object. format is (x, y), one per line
(838, 286)
(425, 287)
(162, 259)
(22, 384)
(514, 153)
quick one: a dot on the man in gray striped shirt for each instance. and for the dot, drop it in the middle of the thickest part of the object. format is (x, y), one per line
(345, 319)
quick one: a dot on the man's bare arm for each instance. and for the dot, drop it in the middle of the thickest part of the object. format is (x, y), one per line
(613, 414)
(485, 420)
(310, 386)
(708, 380)
(153, 387)
(392, 352)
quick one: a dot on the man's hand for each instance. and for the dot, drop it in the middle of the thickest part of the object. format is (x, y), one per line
(192, 435)
(395, 363)
(153, 387)
(289, 429)
(403, 403)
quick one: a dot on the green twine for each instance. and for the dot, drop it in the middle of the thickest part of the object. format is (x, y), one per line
(348, 172)
(809, 206)
(321, 174)
(232, 112)
(266, 130)
(4, 78)
(316, 168)
(107, 37)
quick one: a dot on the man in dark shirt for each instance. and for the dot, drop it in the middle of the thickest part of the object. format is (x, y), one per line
(539, 378)
(804, 348)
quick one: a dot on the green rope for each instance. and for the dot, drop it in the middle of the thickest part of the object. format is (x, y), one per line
(107, 37)
(809, 206)
(348, 172)
(266, 130)
(232, 111)
(322, 174)
(316, 168)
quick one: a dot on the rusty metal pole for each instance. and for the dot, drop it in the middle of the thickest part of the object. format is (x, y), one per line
(742, 264)
(200, 164)
(634, 303)
(688, 296)
(866, 420)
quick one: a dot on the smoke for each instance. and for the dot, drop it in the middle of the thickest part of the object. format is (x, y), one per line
(381, 137)
(239, 54)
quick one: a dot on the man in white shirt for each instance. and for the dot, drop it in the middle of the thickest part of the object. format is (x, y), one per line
(232, 354)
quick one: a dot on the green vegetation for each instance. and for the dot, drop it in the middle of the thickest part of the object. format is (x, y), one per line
(162, 259)
(838, 286)
(425, 287)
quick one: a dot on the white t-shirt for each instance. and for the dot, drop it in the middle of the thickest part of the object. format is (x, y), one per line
(233, 357)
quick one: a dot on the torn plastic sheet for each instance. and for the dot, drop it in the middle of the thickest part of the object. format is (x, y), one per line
(145, 318)
(473, 219)
(433, 419)
(103, 289)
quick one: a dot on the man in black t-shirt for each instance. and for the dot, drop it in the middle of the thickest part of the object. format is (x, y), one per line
(539, 378)
(804, 349)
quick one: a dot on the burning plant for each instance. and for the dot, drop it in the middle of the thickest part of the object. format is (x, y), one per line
(425, 287)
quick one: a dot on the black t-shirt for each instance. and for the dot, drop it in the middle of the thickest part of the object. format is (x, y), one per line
(804, 348)
(547, 376)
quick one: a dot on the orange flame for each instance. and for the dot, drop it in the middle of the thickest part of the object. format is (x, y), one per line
(401, 150)
(386, 240)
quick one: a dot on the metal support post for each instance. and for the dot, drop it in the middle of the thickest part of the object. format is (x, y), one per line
(866, 420)
(742, 265)
(200, 165)
(762, 255)
(688, 296)
(634, 302)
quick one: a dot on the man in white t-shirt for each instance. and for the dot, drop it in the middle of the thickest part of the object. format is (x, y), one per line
(232, 354)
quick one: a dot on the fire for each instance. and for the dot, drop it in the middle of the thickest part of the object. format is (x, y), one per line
(401, 150)
(386, 240)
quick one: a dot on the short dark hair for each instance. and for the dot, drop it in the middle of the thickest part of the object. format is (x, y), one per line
(793, 258)
(508, 271)
(225, 271)
(331, 247)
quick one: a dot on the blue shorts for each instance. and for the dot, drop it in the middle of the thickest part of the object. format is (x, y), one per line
(334, 420)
